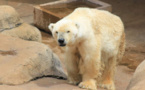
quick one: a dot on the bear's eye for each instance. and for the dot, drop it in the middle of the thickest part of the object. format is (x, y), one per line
(56, 32)
(68, 31)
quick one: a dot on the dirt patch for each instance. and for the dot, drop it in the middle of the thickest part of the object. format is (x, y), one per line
(4, 53)
(132, 59)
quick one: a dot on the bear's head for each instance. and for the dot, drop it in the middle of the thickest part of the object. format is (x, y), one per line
(64, 32)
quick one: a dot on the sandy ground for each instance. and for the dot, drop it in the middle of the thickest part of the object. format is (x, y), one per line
(132, 13)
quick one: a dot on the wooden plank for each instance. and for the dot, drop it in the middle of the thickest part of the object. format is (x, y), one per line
(42, 19)
(56, 4)
(103, 5)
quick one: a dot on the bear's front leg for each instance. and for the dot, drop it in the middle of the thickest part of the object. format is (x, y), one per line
(89, 72)
(71, 61)
(89, 65)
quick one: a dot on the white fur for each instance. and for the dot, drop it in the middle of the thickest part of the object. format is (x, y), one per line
(98, 42)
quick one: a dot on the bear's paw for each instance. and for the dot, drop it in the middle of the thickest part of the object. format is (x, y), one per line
(90, 85)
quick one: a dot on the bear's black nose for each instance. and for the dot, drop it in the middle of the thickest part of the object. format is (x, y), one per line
(61, 41)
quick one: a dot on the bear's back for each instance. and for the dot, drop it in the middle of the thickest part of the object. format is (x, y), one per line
(99, 18)
(108, 25)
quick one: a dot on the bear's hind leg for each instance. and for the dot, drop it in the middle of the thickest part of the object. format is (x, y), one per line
(108, 75)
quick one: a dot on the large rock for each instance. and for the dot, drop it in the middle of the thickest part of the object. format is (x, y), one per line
(11, 24)
(22, 61)
(138, 80)
(9, 18)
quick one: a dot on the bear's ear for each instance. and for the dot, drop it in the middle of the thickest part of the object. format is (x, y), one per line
(51, 26)
(77, 25)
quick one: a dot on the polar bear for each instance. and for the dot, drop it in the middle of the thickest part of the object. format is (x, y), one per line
(94, 42)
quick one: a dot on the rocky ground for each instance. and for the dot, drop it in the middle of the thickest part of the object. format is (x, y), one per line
(123, 77)
(132, 13)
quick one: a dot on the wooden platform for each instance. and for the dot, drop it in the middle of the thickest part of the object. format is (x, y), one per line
(47, 13)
